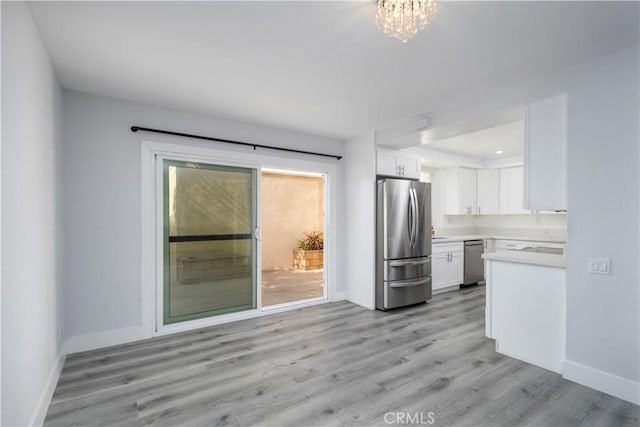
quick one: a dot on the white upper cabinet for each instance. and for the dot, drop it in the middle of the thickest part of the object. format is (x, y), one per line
(545, 155)
(511, 191)
(469, 191)
(458, 191)
(397, 164)
(467, 182)
(488, 195)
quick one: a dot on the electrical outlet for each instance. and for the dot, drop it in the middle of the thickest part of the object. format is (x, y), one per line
(598, 265)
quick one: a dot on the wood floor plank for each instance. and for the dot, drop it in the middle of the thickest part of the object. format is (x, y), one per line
(333, 364)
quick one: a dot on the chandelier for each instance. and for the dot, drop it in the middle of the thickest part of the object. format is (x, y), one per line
(403, 19)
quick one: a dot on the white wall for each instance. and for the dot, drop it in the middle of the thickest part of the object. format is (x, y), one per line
(360, 159)
(603, 315)
(31, 279)
(102, 180)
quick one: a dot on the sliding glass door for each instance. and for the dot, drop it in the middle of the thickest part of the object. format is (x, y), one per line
(209, 257)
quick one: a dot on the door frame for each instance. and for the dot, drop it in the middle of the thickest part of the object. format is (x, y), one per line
(152, 222)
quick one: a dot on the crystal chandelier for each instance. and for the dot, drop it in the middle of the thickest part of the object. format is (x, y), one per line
(403, 19)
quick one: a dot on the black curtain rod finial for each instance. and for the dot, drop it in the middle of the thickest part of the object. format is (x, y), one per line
(229, 141)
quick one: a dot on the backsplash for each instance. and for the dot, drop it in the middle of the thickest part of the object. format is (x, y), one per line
(529, 225)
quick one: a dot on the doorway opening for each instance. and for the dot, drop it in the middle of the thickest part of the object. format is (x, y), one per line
(293, 227)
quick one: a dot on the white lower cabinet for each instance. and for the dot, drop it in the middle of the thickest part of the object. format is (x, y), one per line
(526, 312)
(447, 265)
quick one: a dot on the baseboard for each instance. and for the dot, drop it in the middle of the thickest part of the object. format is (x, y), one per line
(104, 339)
(447, 289)
(40, 411)
(602, 381)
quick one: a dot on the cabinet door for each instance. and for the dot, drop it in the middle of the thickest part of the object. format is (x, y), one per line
(439, 270)
(488, 191)
(410, 167)
(456, 268)
(545, 154)
(467, 191)
(386, 164)
(489, 246)
(511, 191)
(448, 179)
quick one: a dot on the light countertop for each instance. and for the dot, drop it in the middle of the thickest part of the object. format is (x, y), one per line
(532, 258)
(453, 239)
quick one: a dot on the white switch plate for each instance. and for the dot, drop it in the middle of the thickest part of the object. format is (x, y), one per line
(598, 265)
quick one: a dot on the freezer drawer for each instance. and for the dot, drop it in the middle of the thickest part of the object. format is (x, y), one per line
(405, 292)
(402, 269)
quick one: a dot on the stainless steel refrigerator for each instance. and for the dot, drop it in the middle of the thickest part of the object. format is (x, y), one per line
(403, 243)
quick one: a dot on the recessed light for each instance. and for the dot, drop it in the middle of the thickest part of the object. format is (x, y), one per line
(499, 152)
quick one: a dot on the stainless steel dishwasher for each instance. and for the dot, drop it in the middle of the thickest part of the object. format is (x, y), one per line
(473, 262)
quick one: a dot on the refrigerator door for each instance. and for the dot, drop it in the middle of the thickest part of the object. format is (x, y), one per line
(398, 207)
(406, 210)
(422, 243)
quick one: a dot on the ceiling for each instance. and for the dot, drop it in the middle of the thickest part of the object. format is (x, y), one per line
(483, 144)
(317, 67)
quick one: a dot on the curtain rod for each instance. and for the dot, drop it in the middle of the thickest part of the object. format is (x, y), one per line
(229, 141)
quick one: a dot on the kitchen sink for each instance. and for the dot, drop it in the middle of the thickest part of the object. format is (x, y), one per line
(542, 250)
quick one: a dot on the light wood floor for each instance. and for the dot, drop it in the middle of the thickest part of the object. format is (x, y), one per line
(335, 364)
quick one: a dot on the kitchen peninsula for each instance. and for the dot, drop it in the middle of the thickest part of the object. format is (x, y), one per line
(526, 306)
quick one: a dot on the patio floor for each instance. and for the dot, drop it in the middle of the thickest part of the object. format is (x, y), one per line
(281, 286)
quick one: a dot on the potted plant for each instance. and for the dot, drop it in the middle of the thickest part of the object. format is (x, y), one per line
(309, 254)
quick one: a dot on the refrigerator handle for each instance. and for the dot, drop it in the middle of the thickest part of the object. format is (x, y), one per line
(411, 215)
(416, 215)
(406, 263)
(407, 284)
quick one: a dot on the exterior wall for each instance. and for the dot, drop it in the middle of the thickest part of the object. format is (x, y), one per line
(291, 206)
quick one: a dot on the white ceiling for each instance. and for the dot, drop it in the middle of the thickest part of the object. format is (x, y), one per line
(319, 67)
(483, 144)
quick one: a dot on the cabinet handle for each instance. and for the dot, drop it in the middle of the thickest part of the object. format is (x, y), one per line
(478, 210)
(468, 209)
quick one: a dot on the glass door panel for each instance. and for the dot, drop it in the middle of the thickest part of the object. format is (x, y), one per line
(209, 244)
